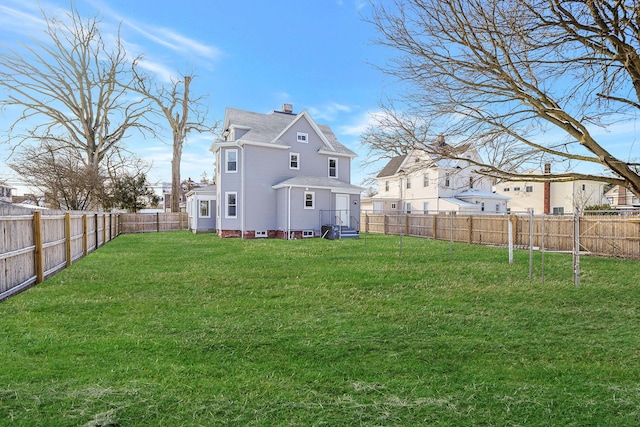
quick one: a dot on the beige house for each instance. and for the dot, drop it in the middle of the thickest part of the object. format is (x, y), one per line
(620, 198)
(551, 197)
(421, 183)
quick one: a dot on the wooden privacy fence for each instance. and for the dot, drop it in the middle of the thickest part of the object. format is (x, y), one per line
(602, 235)
(153, 222)
(37, 244)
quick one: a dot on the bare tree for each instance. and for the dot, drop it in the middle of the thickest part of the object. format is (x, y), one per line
(512, 75)
(184, 114)
(71, 89)
(61, 174)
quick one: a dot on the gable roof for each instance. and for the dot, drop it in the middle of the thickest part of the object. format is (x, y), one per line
(269, 128)
(391, 168)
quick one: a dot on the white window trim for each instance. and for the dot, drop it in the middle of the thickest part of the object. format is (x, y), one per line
(298, 161)
(208, 202)
(313, 199)
(226, 160)
(226, 201)
(305, 137)
(329, 167)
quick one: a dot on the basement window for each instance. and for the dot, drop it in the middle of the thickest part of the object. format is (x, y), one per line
(307, 233)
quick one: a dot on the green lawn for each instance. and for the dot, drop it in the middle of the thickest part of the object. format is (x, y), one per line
(175, 329)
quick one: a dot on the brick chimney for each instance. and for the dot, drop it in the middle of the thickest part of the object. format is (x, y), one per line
(622, 195)
(547, 190)
(287, 108)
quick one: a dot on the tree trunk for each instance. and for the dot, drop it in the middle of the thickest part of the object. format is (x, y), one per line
(175, 174)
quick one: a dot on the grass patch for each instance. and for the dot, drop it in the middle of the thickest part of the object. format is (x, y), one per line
(181, 329)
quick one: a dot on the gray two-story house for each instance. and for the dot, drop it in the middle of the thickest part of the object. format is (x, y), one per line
(282, 175)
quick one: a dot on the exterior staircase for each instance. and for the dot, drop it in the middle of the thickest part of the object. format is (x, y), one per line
(336, 232)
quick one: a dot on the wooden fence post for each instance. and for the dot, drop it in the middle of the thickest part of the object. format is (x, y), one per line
(67, 236)
(366, 222)
(158, 222)
(104, 228)
(85, 235)
(514, 223)
(96, 232)
(384, 224)
(37, 241)
(435, 226)
(406, 225)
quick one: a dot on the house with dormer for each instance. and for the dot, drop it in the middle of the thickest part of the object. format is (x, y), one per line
(282, 175)
(423, 182)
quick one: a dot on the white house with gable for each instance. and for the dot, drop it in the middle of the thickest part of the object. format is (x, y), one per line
(420, 182)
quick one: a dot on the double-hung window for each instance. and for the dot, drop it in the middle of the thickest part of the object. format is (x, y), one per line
(333, 167)
(204, 209)
(231, 161)
(309, 199)
(294, 161)
(232, 204)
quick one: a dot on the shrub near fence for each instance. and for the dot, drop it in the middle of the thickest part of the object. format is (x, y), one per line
(37, 244)
(602, 235)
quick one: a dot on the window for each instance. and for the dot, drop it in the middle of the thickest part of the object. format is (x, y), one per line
(425, 207)
(303, 137)
(584, 187)
(386, 186)
(309, 199)
(425, 180)
(447, 180)
(505, 189)
(482, 206)
(231, 162)
(516, 188)
(558, 210)
(408, 208)
(294, 161)
(408, 183)
(333, 168)
(307, 233)
(497, 207)
(204, 209)
(232, 205)
(393, 205)
(528, 189)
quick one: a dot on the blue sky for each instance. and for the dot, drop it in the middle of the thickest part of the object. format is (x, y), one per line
(251, 54)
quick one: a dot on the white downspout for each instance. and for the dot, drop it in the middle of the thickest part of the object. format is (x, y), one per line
(242, 199)
(289, 213)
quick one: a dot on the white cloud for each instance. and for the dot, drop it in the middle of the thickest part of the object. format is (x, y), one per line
(360, 124)
(329, 112)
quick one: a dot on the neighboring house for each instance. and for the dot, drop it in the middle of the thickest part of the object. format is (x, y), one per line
(619, 197)
(201, 209)
(551, 197)
(421, 183)
(282, 175)
(5, 193)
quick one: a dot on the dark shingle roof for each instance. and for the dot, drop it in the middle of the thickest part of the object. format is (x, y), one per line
(392, 166)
